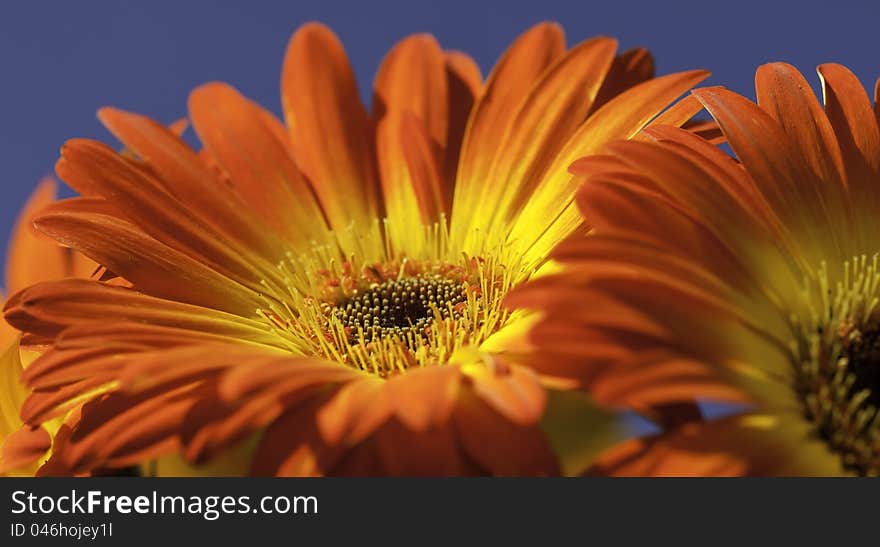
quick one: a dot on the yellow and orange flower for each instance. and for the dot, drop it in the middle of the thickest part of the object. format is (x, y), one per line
(330, 290)
(31, 258)
(754, 282)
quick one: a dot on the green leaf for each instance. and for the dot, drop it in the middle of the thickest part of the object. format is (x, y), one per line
(579, 430)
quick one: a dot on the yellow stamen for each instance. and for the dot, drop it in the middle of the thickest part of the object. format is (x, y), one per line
(841, 316)
(327, 289)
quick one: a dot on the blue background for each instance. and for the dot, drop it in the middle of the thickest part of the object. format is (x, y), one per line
(60, 61)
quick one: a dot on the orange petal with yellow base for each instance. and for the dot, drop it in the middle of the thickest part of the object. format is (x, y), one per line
(330, 131)
(258, 164)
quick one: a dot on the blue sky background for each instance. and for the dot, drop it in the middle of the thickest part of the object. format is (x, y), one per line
(60, 61)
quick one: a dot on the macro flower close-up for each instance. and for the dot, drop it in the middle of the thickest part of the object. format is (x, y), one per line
(334, 271)
(750, 280)
(326, 294)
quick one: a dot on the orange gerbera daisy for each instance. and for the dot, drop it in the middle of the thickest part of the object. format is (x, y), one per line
(755, 282)
(330, 291)
(32, 257)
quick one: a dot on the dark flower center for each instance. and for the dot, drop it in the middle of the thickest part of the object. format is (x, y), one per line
(843, 398)
(863, 358)
(403, 308)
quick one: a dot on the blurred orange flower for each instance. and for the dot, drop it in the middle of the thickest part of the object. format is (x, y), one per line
(754, 282)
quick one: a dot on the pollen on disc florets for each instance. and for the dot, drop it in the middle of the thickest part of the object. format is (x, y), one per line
(402, 308)
(862, 354)
(838, 375)
(387, 318)
(384, 322)
(342, 308)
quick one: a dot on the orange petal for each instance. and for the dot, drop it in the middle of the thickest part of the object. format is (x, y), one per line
(259, 165)
(621, 118)
(354, 412)
(33, 257)
(329, 128)
(424, 398)
(280, 374)
(183, 364)
(48, 308)
(511, 390)
(212, 427)
(53, 467)
(410, 82)
(877, 100)
(743, 445)
(58, 368)
(412, 77)
(432, 194)
(726, 170)
(645, 383)
(625, 115)
(810, 207)
(421, 400)
(700, 214)
(629, 69)
(676, 115)
(785, 94)
(292, 445)
(61, 377)
(220, 421)
(465, 87)
(118, 429)
(183, 174)
(140, 197)
(8, 333)
(641, 458)
(24, 447)
(555, 107)
(705, 129)
(434, 453)
(466, 70)
(87, 226)
(42, 406)
(499, 446)
(856, 128)
(507, 87)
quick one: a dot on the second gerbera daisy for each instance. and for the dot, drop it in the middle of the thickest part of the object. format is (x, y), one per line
(756, 282)
(335, 284)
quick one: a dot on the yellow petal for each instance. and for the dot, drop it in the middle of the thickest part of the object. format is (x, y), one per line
(12, 391)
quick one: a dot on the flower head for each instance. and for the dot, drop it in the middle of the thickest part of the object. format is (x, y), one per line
(330, 290)
(753, 281)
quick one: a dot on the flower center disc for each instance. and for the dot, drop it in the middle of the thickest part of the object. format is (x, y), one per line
(864, 364)
(403, 308)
